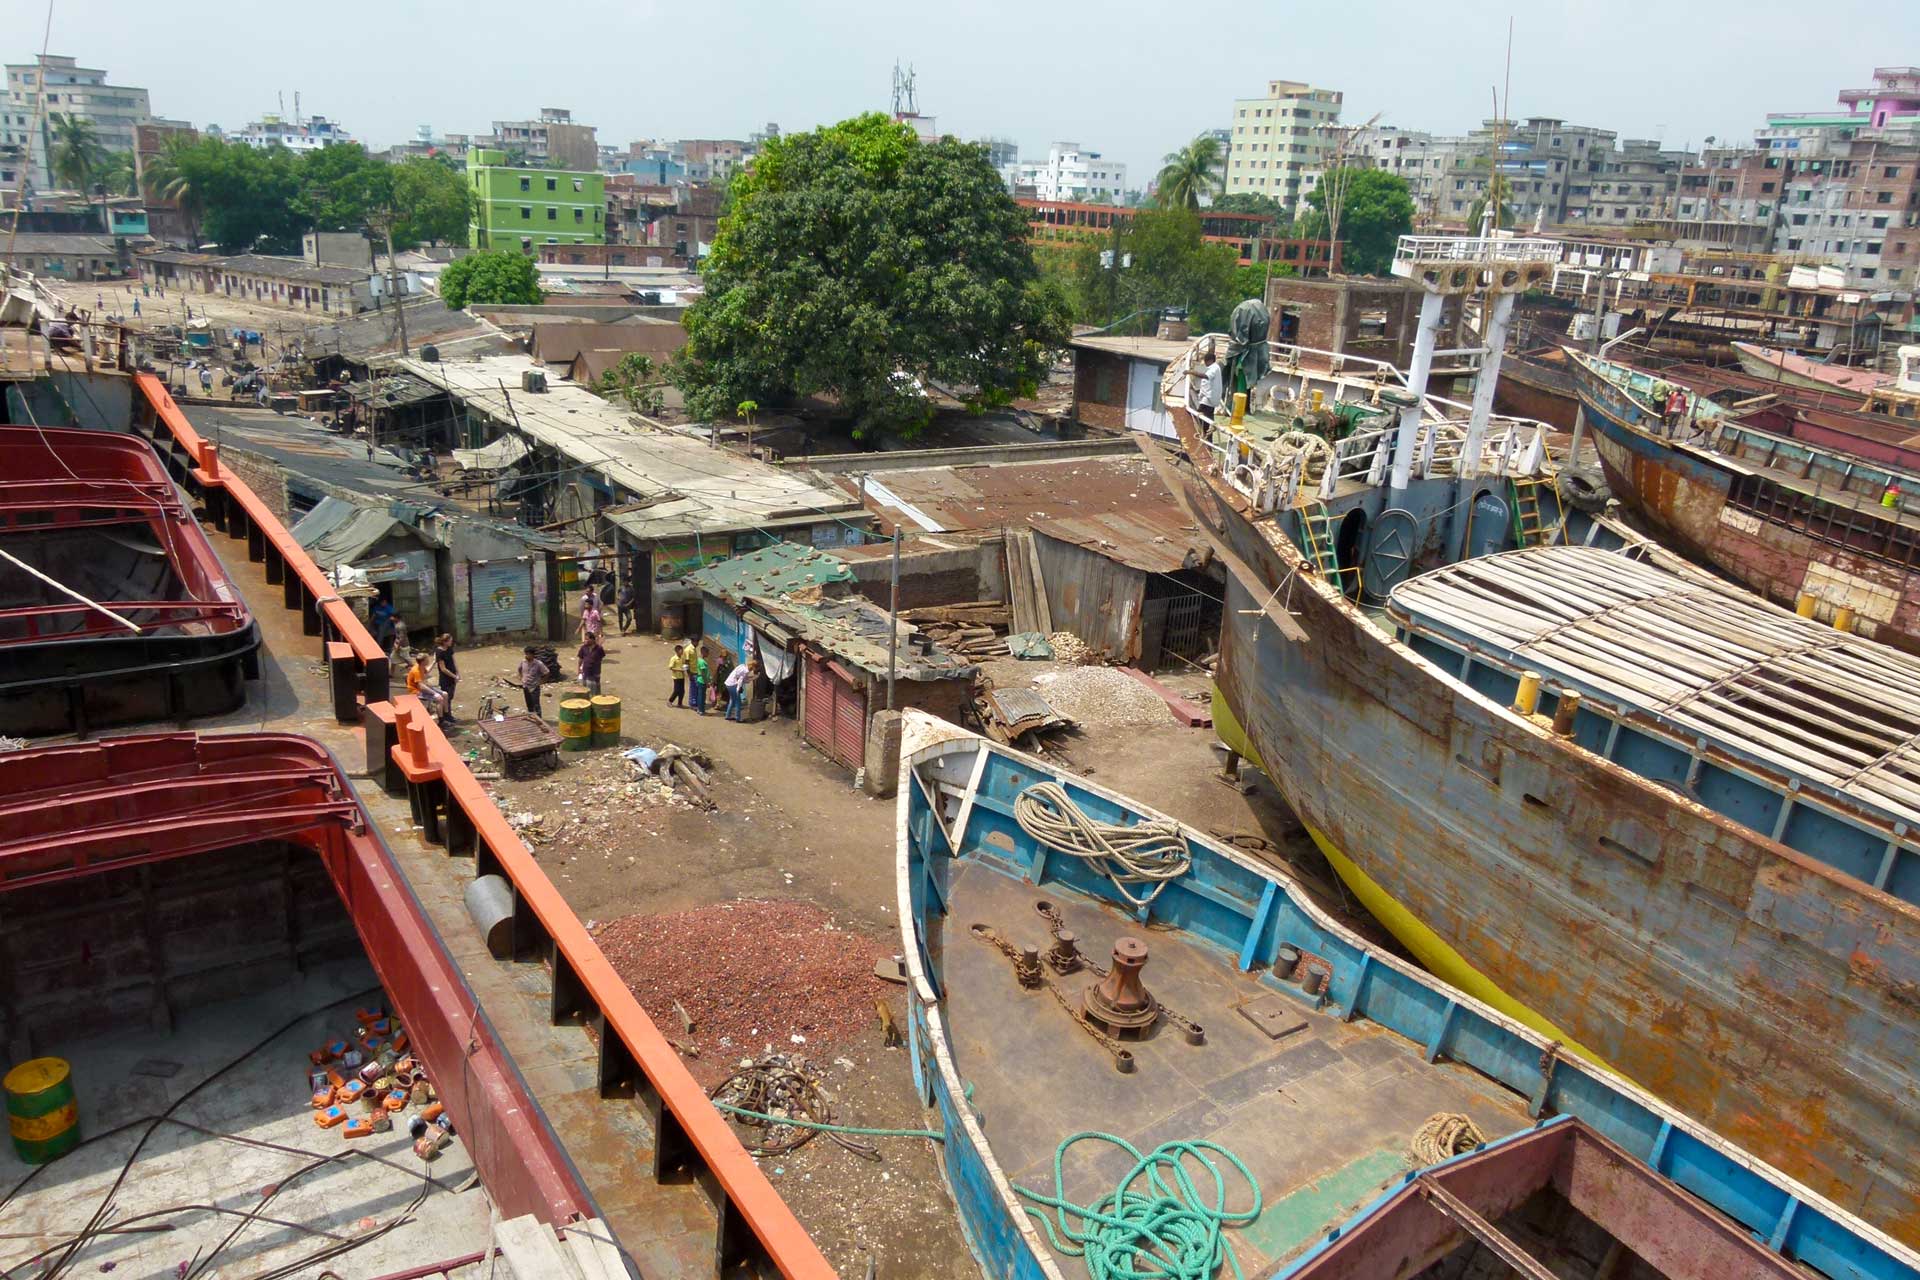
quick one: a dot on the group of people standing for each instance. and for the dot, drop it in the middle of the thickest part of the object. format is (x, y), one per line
(693, 677)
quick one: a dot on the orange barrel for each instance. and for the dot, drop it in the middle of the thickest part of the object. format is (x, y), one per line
(576, 724)
(606, 720)
(41, 1110)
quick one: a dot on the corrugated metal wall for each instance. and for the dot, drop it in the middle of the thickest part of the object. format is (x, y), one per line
(1095, 598)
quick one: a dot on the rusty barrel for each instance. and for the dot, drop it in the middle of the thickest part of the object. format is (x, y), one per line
(606, 720)
(576, 724)
(41, 1110)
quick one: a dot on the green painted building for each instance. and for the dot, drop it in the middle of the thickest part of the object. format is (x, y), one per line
(519, 208)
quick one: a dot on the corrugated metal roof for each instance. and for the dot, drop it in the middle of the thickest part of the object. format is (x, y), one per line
(773, 570)
(854, 630)
(1158, 350)
(1116, 506)
(340, 532)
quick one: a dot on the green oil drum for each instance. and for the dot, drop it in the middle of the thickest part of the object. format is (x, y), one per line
(40, 1109)
(576, 724)
(606, 720)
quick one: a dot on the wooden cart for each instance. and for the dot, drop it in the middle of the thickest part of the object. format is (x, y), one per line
(520, 738)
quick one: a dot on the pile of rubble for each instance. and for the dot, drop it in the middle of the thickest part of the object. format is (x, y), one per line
(1102, 697)
(744, 977)
(974, 630)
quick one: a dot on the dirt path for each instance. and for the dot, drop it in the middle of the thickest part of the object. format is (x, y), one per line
(789, 825)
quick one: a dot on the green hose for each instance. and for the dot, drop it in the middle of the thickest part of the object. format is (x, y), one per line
(1167, 1233)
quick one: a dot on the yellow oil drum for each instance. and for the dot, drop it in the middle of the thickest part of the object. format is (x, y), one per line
(606, 720)
(576, 724)
(40, 1109)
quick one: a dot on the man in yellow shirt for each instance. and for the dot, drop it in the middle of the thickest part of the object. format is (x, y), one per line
(677, 668)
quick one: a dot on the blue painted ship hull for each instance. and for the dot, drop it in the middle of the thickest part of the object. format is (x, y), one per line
(1745, 983)
(957, 816)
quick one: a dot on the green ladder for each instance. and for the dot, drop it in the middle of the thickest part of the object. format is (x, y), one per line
(1317, 531)
(1530, 527)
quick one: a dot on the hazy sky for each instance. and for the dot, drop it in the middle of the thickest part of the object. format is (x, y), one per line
(1131, 79)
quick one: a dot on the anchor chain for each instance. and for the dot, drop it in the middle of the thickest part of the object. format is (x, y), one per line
(1057, 926)
(1026, 969)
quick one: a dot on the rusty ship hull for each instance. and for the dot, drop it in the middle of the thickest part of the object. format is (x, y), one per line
(1737, 979)
(1785, 518)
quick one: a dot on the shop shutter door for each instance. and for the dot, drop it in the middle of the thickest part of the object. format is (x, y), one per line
(820, 699)
(501, 592)
(849, 721)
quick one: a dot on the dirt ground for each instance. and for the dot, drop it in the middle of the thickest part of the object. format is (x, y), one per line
(790, 824)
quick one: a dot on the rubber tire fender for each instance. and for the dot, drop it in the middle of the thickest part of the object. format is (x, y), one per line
(1584, 489)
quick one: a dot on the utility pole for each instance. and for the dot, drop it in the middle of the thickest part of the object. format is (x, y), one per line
(393, 283)
(893, 618)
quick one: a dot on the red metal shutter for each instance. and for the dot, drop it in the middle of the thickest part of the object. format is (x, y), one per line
(849, 722)
(820, 699)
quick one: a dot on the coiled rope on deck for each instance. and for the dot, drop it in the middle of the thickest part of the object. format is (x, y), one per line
(1145, 853)
(1169, 1230)
(1444, 1136)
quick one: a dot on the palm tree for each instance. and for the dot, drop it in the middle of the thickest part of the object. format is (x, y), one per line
(115, 175)
(1190, 173)
(77, 152)
(1497, 191)
(168, 180)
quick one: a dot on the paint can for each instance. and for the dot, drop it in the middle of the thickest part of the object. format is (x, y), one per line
(41, 1110)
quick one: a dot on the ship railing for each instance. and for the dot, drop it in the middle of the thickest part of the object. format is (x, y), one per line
(1296, 359)
(1414, 252)
(407, 754)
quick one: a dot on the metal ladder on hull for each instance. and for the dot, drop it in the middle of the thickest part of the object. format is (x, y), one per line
(1530, 528)
(1317, 530)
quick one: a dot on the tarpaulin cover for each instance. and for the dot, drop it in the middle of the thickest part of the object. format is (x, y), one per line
(774, 660)
(1247, 343)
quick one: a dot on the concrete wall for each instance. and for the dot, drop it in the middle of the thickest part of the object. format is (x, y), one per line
(1100, 389)
(931, 577)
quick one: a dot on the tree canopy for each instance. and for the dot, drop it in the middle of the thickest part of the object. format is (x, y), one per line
(252, 198)
(856, 262)
(1498, 190)
(1249, 202)
(1159, 262)
(1377, 211)
(1189, 173)
(496, 277)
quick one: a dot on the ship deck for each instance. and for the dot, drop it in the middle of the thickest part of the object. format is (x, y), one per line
(665, 1228)
(1323, 1116)
(214, 1152)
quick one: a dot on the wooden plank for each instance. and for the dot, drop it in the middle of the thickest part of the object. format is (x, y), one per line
(1042, 612)
(590, 1242)
(527, 1249)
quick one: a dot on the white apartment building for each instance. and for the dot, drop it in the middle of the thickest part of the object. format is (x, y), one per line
(69, 89)
(1277, 139)
(305, 133)
(1071, 173)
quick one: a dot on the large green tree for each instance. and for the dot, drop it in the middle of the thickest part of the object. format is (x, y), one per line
(1190, 173)
(1249, 202)
(250, 199)
(1159, 262)
(496, 277)
(1376, 212)
(858, 263)
(431, 201)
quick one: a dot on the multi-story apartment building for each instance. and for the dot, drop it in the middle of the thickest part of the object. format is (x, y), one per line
(1070, 172)
(1002, 153)
(1279, 138)
(53, 85)
(1420, 159)
(1639, 182)
(554, 140)
(521, 208)
(298, 133)
(1550, 168)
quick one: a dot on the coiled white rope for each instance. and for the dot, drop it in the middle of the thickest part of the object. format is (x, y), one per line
(1147, 853)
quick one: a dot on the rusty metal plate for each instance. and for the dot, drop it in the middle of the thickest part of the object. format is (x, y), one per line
(1273, 1016)
(1017, 706)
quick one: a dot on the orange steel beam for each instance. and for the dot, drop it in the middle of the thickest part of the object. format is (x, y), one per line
(700, 1136)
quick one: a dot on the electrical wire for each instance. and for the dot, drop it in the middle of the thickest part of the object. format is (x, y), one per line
(106, 1201)
(1152, 853)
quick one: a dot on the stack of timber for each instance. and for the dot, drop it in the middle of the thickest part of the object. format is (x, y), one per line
(532, 1250)
(974, 630)
(1026, 585)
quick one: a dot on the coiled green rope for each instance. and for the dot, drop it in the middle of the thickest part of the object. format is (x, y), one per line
(1168, 1232)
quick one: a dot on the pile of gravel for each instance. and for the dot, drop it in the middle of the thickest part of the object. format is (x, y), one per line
(1102, 697)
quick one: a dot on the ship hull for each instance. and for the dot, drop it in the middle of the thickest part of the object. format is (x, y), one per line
(1685, 496)
(1780, 367)
(1725, 973)
(1539, 389)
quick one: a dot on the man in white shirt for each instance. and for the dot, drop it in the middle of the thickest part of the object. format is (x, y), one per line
(1212, 390)
(737, 681)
